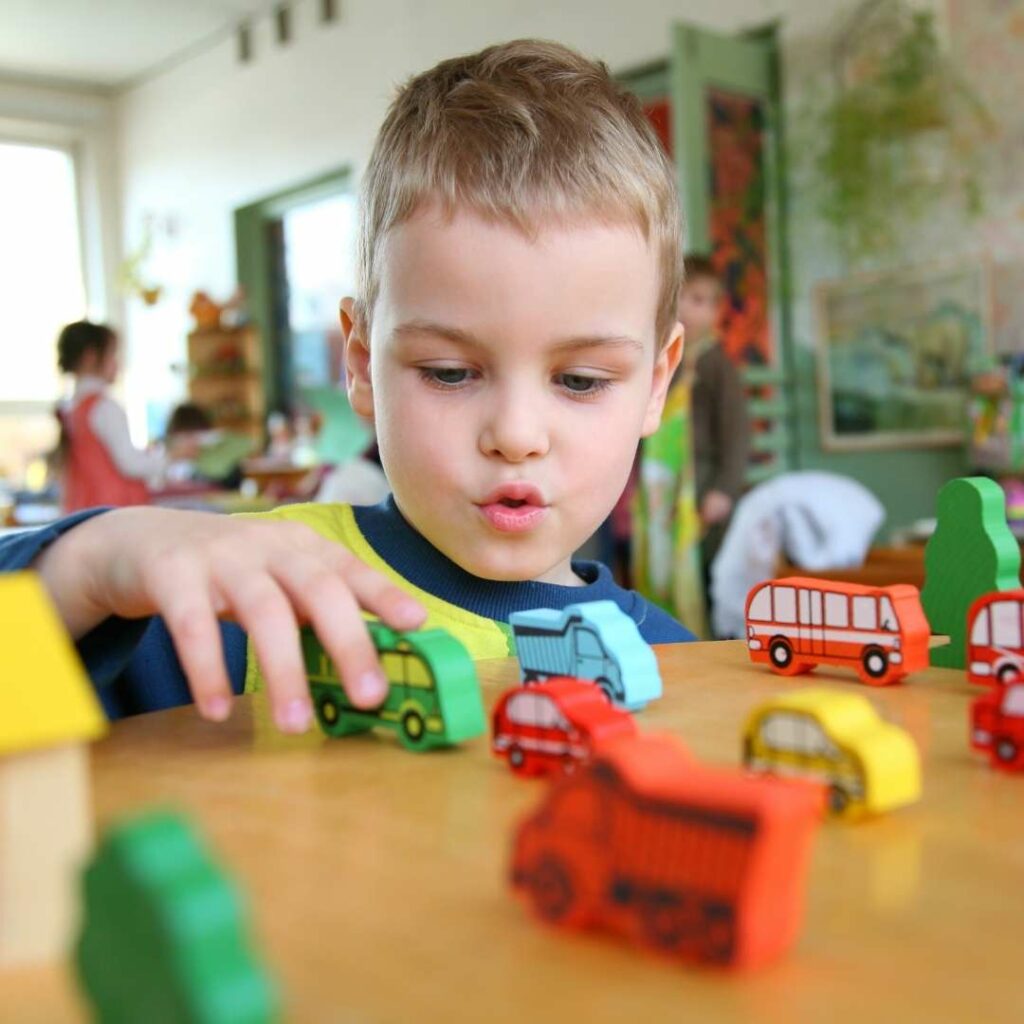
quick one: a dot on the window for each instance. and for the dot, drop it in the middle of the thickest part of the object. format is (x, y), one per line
(779, 731)
(1005, 623)
(837, 610)
(785, 604)
(394, 667)
(417, 673)
(43, 286)
(979, 634)
(587, 644)
(761, 606)
(1013, 702)
(865, 613)
(889, 621)
(528, 708)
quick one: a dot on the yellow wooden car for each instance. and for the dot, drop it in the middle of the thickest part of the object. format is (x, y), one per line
(868, 764)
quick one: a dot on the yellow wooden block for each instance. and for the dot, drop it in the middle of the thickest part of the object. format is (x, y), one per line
(869, 765)
(45, 696)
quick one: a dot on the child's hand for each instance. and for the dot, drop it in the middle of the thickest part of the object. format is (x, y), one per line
(715, 507)
(195, 567)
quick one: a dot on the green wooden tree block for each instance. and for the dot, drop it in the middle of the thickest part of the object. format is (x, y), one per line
(971, 553)
(164, 933)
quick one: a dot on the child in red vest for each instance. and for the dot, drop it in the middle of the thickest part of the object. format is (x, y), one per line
(99, 465)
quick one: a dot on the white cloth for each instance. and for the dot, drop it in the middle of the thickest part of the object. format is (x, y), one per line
(110, 424)
(821, 521)
(356, 482)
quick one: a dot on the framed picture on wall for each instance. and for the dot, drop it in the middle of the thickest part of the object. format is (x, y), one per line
(895, 355)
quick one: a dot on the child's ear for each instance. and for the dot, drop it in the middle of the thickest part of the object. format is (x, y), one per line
(665, 365)
(357, 360)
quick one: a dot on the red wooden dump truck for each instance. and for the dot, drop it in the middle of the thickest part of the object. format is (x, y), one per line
(699, 862)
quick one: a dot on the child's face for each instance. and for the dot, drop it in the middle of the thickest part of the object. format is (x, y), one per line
(700, 305)
(510, 380)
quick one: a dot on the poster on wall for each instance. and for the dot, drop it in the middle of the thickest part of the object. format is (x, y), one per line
(896, 352)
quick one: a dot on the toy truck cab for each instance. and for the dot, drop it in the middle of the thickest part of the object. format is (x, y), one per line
(554, 726)
(995, 638)
(594, 640)
(838, 739)
(798, 623)
(997, 726)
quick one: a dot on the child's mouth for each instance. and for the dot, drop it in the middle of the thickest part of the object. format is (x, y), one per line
(515, 508)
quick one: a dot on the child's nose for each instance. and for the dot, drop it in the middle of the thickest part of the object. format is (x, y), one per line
(513, 430)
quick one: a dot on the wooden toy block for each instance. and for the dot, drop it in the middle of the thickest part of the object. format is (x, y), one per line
(995, 644)
(836, 738)
(697, 862)
(971, 553)
(551, 728)
(164, 936)
(434, 695)
(997, 726)
(797, 623)
(48, 712)
(593, 640)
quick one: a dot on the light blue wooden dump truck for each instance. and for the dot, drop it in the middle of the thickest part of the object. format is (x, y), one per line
(595, 640)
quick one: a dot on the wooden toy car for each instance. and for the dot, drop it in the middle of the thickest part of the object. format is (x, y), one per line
(995, 644)
(702, 863)
(593, 640)
(869, 765)
(434, 696)
(554, 726)
(797, 623)
(997, 726)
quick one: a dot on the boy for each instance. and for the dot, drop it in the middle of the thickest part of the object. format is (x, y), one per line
(692, 469)
(514, 337)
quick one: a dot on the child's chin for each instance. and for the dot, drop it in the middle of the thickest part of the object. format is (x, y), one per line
(504, 567)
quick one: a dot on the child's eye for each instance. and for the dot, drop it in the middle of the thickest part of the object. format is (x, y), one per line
(580, 384)
(445, 376)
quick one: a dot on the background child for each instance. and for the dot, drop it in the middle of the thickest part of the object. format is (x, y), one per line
(95, 458)
(515, 335)
(692, 469)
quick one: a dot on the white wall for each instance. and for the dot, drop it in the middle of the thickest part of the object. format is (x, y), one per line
(212, 135)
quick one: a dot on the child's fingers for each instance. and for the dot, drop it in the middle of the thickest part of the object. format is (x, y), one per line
(326, 600)
(264, 612)
(377, 594)
(180, 592)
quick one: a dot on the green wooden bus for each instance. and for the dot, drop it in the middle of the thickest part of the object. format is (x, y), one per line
(434, 698)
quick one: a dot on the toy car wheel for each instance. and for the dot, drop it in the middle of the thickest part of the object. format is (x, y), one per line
(718, 934)
(838, 799)
(668, 922)
(1008, 674)
(516, 758)
(551, 890)
(328, 713)
(781, 654)
(875, 662)
(1006, 750)
(414, 729)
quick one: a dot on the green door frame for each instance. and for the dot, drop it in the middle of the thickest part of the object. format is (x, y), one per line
(254, 258)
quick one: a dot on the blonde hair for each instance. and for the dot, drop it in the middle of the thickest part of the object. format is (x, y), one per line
(520, 133)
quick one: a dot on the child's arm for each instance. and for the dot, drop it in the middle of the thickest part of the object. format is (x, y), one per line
(194, 567)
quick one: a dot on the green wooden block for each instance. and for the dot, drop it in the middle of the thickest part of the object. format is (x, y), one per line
(971, 553)
(164, 933)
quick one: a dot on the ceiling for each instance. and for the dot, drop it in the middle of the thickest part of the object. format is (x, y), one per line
(106, 43)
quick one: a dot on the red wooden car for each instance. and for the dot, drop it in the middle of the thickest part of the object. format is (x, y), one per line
(997, 726)
(699, 862)
(551, 727)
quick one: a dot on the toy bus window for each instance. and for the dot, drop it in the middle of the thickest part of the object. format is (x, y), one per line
(1006, 623)
(1013, 702)
(761, 606)
(979, 635)
(810, 606)
(837, 610)
(865, 613)
(587, 644)
(417, 673)
(326, 668)
(785, 604)
(779, 731)
(888, 616)
(393, 667)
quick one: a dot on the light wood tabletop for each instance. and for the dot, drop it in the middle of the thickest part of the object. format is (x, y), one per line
(377, 877)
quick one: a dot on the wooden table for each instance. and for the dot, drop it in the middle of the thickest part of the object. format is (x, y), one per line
(377, 877)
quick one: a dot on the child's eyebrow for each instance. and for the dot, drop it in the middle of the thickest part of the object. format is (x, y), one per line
(462, 337)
